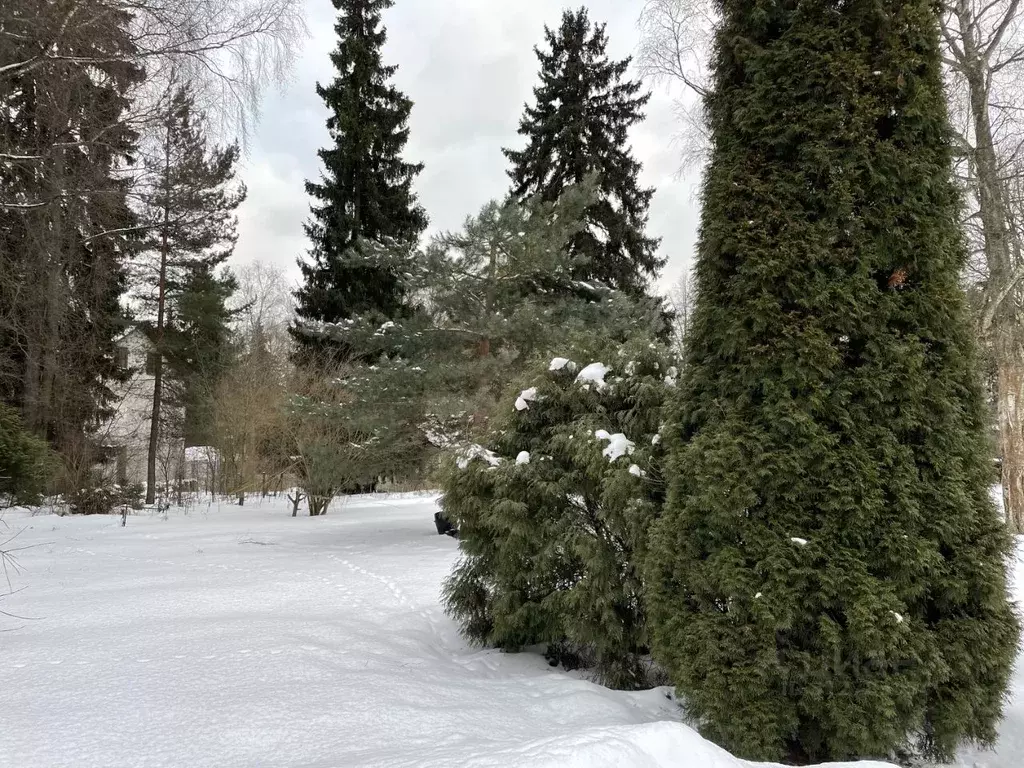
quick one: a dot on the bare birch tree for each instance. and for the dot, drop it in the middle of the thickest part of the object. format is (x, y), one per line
(985, 58)
(228, 49)
(680, 300)
(675, 40)
(266, 307)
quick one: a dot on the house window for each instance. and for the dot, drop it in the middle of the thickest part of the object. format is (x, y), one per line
(122, 357)
(151, 361)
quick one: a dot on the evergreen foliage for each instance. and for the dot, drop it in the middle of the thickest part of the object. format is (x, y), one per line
(553, 515)
(189, 212)
(198, 346)
(828, 580)
(26, 465)
(496, 294)
(193, 195)
(364, 196)
(578, 127)
(66, 231)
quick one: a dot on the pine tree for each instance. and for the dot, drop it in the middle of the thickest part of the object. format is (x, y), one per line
(190, 216)
(497, 294)
(578, 126)
(828, 579)
(365, 192)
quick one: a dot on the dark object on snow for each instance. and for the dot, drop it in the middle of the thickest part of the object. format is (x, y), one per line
(445, 527)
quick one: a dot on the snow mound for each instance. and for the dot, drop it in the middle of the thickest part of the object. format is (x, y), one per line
(618, 444)
(523, 457)
(526, 397)
(197, 628)
(635, 471)
(477, 452)
(594, 374)
(561, 362)
(799, 541)
(648, 745)
(672, 377)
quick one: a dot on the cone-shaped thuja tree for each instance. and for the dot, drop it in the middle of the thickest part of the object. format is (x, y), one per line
(828, 579)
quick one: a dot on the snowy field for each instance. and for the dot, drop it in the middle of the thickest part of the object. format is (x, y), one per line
(243, 637)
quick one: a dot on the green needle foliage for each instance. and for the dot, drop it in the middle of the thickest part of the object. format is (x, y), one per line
(828, 580)
(584, 106)
(553, 517)
(26, 463)
(364, 195)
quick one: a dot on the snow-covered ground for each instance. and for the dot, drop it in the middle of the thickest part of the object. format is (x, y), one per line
(243, 637)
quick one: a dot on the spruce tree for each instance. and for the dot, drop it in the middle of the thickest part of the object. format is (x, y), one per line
(578, 126)
(198, 346)
(26, 464)
(365, 191)
(828, 579)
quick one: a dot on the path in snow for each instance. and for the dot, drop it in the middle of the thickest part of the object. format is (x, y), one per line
(243, 637)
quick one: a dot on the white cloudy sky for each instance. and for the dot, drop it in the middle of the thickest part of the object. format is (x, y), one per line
(469, 66)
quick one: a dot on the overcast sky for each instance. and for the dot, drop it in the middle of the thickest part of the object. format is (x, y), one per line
(469, 67)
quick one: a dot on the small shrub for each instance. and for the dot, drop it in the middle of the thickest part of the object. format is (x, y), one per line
(100, 497)
(553, 515)
(26, 462)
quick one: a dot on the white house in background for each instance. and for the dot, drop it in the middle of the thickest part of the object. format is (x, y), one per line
(201, 467)
(126, 432)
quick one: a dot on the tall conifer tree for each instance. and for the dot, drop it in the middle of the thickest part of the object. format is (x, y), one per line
(579, 125)
(365, 191)
(199, 346)
(190, 213)
(66, 230)
(828, 580)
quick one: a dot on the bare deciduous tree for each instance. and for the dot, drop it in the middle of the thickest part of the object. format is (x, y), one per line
(985, 58)
(230, 49)
(249, 413)
(675, 39)
(680, 300)
(266, 306)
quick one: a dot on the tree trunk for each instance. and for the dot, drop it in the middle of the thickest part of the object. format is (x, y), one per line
(1011, 412)
(45, 341)
(158, 368)
(318, 505)
(55, 303)
(30, 393)
(1000, 324)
